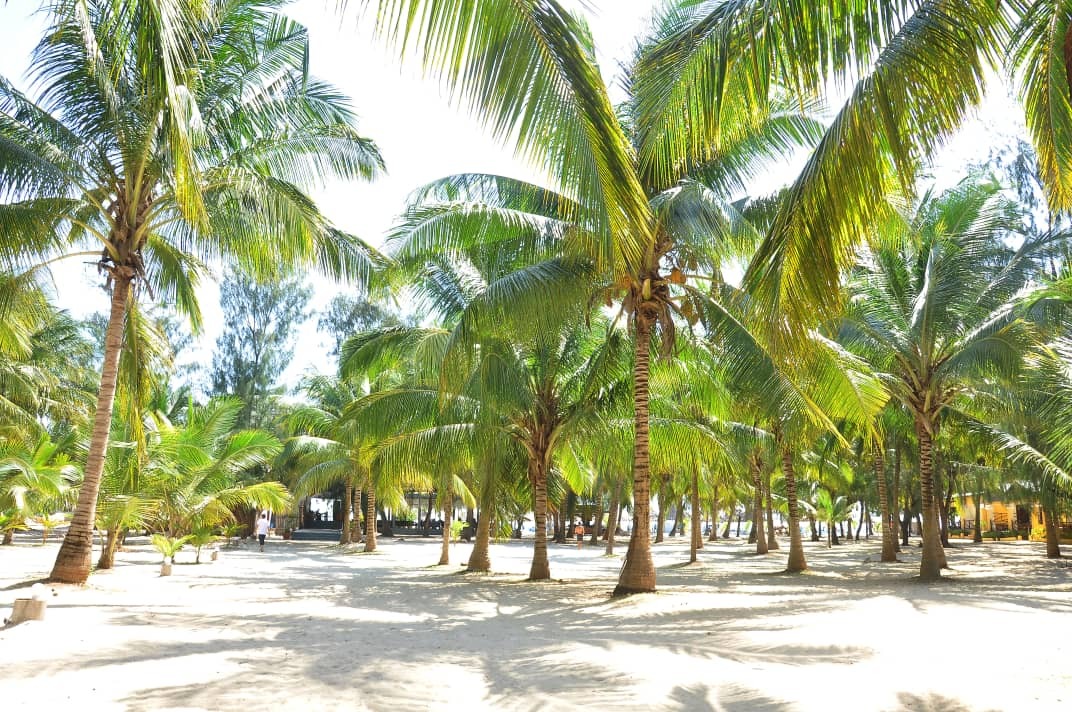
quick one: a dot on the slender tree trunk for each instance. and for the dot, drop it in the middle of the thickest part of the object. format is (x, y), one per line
(830, 534)
(757, 505)
(111, 543)
(889, 537)
(814, 527)
(612, 521)
(740, 517)
(833, 532)
(347, 498)
(679, 519)
(863, 515)
(797, 562)
(370, 521)
(930, 565)
(713, 534)
(479, 559)
(355, 526)
(729, 519)
(541, 568)
(638, 571)
(772, 539)
(75, 556)
(894, 494)
(696, 542)
(9, 538)
(597, 522)
(1053, 532)
(448, 514)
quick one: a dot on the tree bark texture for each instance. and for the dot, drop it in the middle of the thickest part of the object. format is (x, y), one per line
(696, 540)
(930, 565)
(541, 567)
(479, 559)
(75, 556)
(638, 571)
(889, 537)
(448, 514)
(757, 505)
(370, 520)
(797, 562)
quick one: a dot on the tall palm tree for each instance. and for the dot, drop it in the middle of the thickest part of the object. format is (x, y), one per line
(935, 308)
(165, 134)
(528, 68)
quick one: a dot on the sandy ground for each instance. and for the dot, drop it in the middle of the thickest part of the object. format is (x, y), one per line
(311, 627)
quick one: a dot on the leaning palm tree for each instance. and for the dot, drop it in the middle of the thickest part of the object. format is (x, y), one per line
(159, 140)
(935, 308)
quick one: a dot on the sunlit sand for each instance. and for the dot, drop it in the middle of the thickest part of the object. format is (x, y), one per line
(311, 627)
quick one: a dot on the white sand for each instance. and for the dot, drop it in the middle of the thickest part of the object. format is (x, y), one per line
(308, 627)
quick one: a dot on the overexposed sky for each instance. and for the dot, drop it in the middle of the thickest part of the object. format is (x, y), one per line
(421, 137)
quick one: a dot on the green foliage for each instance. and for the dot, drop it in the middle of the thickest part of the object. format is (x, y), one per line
(257, 342)
(169, 546)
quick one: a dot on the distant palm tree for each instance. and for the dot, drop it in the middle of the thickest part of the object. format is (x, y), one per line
(162, 136)
(935, 308)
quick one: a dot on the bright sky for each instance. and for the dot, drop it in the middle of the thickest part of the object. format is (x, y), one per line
(421, 137)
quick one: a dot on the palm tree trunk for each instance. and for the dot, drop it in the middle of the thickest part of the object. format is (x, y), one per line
(638, 571)
(370, 520)
(772, 540)
(111, 543)
(889, 545)
(713, 534)
(757, 509)
(814, 528)
(679, 517)
(355, 525)
(729, 518)
(1053, 532)
(612, 517)
(9, 538)
(930, 565)
(448, 506)
(479, 559)
(597, 521)
(696, 542)
(344, 534)
(893, 498)
(797, 562)
(541, 568)
(75, 556)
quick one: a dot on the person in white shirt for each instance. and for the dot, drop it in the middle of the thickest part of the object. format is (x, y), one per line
(262, 529)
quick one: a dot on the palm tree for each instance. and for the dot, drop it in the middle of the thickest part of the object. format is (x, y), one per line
(916, 68)
(935, 308)
(527, 67)
(36, 479)
(160, 140)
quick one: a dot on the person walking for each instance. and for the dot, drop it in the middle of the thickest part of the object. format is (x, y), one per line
(578, 531)
(262, 529)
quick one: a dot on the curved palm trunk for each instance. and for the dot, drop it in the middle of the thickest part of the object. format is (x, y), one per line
(75, 556)
(797, 562)
(930, 565)
(696, 542)
(541, 568)
(9, 538)
(772, 540)
(370, 521)
(448, 506)
(479, 559)
(757, 506)
(344, 534)
(889, 540)
(638, 571)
